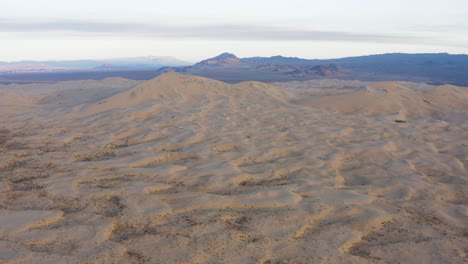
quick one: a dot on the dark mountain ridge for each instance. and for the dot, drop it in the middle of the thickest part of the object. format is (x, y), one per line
(434, 68)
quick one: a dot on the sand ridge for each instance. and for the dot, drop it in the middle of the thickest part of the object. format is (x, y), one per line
(184, 169)
(179, 89)
(394, 99)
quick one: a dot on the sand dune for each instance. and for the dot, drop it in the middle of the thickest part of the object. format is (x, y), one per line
(178, 90)
(185, 169)
(68, 92)
(396, 100)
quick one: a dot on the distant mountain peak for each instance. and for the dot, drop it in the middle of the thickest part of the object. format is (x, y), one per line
(225, 60)
(281, 57)
(226, 55)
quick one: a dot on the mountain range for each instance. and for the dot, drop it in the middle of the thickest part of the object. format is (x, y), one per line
(434, 68)
(118, 63)
(429, 68)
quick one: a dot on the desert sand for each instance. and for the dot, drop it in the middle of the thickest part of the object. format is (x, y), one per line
(185, 169)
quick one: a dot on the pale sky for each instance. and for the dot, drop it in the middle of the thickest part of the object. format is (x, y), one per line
(197, 29)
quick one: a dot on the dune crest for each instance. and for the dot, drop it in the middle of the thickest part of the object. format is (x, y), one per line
(388, 98)
(179, 89)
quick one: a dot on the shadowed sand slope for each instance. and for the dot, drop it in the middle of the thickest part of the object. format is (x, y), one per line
(185, 169)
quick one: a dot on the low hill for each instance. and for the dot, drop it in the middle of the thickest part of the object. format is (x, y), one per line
(178, 90)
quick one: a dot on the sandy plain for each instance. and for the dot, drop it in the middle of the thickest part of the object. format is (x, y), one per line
(185, 169)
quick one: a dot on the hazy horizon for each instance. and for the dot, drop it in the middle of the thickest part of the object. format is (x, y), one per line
(55, 30)
(215, 55)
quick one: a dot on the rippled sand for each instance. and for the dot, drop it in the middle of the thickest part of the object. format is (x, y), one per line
(184, 169)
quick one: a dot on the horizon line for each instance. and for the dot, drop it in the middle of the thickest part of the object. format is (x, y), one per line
(191, 61)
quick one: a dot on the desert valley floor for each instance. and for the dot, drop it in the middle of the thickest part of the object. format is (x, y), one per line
(185, 169)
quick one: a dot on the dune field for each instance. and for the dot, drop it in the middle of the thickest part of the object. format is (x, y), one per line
(186, 169)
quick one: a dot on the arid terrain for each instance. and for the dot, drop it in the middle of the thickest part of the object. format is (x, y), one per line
(186, 169)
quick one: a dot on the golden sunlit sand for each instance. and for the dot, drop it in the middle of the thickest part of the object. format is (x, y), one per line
(186, 169)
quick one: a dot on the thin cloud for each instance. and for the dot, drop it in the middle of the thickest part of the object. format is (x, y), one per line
(446, 28)
(221, 32)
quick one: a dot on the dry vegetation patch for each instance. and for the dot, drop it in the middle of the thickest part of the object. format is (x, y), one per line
(114, 145)
(96, 156)
(239, 223)
(53, 247)
(175, 157)
(11, 164)
(5, 134)
(108, 205)
(107, 182)
(124, 230)
(226, 147)
(25, 186)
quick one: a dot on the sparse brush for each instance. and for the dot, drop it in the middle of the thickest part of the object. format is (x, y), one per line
(109, 205)
(96, 156)
(11, 165)
(116, 145)
(121, 231)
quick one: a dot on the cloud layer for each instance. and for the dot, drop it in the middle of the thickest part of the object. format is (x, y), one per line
(221, 32)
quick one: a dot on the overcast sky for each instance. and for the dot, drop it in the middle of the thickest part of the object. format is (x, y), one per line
(194, 30)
